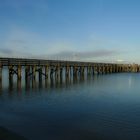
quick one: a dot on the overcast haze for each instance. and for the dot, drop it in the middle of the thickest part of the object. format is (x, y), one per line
(90, 30)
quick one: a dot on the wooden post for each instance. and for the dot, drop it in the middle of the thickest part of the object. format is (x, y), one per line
(11, 77)
(100, 70)
(11, 72)
(107, 69)
(67, 71)
(74, 71)
(0, 77)
(57, 73)
(19, 72)
(82, 70)
(61, 74)
(46, 75)
(110, 67)
(34, 72)
(51, 73)
(46, 71)
(89, 70)
(19, 85)
(103, 69)
(27, 80)
(97, 68)
(40, 74)
(0, 72)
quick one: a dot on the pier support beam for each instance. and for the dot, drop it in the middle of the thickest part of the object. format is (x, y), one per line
(95, 70)
(75, 73)
(138, 68)
(0, 73)
(34, 72)
(113, 68)
(46, 75)
(116, 69)
(82, 71)
(57, 73)
(0, 77)
(51, 72)
(92, 70)
(103, 69)
(100, 70)
(89, 68)
(11, 72)
(75, 69)
(107, 69)
(19, 73)
(27, 71)
(40, 74)
(19, 85)
(61, 73)
(67, 71)
(110, 69)
(46, 71)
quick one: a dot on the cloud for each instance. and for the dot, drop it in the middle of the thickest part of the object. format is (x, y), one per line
(4, 52)
(82, 56)
(20, 40)
(22, 43)
(95, 54)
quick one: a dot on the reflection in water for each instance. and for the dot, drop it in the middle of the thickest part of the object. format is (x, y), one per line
(34, 84)
(75, 79)
(27, 84)
(46, 82)
(19, 87)
(82, 107)
(0, 86)
(51, 82)
(11, 84)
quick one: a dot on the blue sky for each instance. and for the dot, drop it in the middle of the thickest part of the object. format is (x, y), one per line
(87, 30)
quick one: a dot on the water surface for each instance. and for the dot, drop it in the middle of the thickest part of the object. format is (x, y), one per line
(99, 107)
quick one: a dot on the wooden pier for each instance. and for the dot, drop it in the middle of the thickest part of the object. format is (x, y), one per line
(57, 69)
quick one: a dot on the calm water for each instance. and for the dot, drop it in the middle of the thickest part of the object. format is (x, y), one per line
(99, 107)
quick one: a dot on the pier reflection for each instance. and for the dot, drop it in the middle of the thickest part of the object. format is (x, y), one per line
(27, 84)
(34, 84)
(0, 84)
(19, 86)
(0, 87)
(11, 85)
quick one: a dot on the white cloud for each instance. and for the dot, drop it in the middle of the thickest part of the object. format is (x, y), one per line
(25, 42)
(22, 43)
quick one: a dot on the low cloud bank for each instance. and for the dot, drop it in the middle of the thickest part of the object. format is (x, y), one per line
(63, 55)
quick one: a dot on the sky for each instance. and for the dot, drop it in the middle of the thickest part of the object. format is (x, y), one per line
(85, 30)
